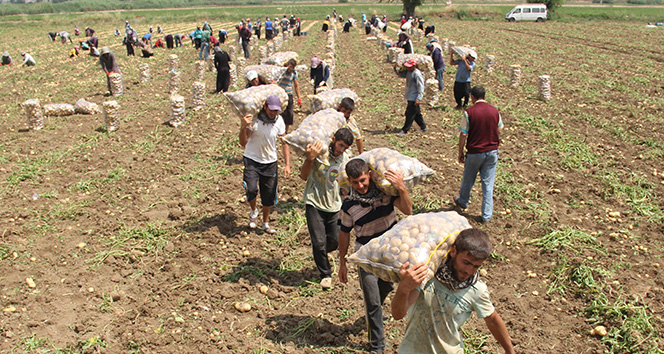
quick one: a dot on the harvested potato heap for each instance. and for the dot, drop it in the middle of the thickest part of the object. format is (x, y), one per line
(144, 72)
(319, 126)
(232, 72)
(446, 45)
(515, 75)
(241, 63)
(266, 72)
(111, 116)
(394, 53)
(58, 109)
(424, 62)
(489, 62)
(173, 81)
(200, 69)
(173, 62)
(332, 68)
(270, 49)
(34, 113)
(280, 58)
(382, 159)
(545, 87)
(177, 110)
(278, 41)
(431, 92)
(252, 99)
(331, 99)
(418, 238)
(231, 52)
(198, 100)
(85, 107)
(262, 53)
(117, 87)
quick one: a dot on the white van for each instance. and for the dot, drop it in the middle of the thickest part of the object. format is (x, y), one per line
(527, 12)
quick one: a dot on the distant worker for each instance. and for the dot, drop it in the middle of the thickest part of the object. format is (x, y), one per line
(6, 59)
(28, 60)
(222, 64)
(109, 65)
(64, 37)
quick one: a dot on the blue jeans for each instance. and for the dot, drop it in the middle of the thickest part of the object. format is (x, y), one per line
(439, 77)
(205, 47)
(484, 163)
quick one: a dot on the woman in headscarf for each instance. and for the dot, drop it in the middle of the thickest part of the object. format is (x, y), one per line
(319, 72)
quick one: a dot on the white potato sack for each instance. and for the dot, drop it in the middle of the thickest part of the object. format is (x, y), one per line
(252, 99)
(280, 58)
(382, 159)
(58, 109)
(460, 52)
(86, 107)
(332, 98)
(424, 62)
(319, 126)
(426, 237)
(33, 110)
(266, 73)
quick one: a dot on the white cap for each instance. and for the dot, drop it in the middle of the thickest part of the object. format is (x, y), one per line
(252, 75)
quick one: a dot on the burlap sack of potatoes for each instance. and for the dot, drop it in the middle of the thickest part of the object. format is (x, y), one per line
(58, 109)
(280, 58)
(85, 107)
(426, 237)
(331, 99)
(319, 126)
(382, 159)
(252, 99)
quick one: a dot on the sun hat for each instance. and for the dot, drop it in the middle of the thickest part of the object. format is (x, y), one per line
(273, 103)
(410, 63)
(105, 50)
(251, 74)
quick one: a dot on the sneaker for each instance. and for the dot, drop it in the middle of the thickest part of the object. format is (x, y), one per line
(423, 130)
(401, 133)
(456, 202)
(326, 283)
(269, 230)
(379, 351)
(253, 222)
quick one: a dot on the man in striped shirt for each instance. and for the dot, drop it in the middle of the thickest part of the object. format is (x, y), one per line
(370, 212)
(289, 83)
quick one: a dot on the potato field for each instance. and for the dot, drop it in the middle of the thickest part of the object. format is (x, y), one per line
(137, 240)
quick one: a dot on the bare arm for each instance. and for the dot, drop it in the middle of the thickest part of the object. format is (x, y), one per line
(411, 278)
(245, 131)
(403, 203)
(497, 328)
(452, 57)
(286, 150)
(465, 61)
(360, 145)
(313, 150)
(344, 240)
(462, 144)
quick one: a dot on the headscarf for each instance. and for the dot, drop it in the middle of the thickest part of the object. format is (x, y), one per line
(315, 61)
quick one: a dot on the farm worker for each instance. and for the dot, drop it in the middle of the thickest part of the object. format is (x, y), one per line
(146, 49)
(223, 35)
(74, 52)
(77, 31)
(370, 212)
(206, 26)
(117, 32)
(479, 131)
(259, 139)
(252, 79)
(89, 32)
(347, 106)
(214, 42)
(430, 29)
(275, 25)
(108, 64)
(221, 63)
(288, 81)
(160, 30)
(168, 38)
(28, 60)
(284, 24)
(437, 310)
(257, 28)
(268, 29)
(198, 34)
(178, 39)
(322, 199)
(127, 26)
(347, 26)
(6, 59)
(93, 41)
(319, 72)
(384, 20)
(436, 52)
(364, 18)
(405, 43)
(465, 67)
(414, 94)
(83, 45)
(52, 36)
(326, 24)
(245, 36)
(150, 30)
(205, 44)
(64, 36)
(128, 43)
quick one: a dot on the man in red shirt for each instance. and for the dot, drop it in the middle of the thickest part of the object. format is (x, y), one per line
(479, 133)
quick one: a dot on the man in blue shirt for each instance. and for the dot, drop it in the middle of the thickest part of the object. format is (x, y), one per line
(465, 66)
(268, 29)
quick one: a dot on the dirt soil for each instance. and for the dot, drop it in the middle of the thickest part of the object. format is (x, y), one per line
(137, 240)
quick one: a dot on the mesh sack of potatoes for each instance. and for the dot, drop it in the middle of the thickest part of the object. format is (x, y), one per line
(424, 62)
(198, 93)
(280, 58)
(252, 99)
(266, 73)
(58, 109)
(425, 237)
(382, 159)
(461, 51)
(331, 98)
(111, 116)
(319, 126)
(34, 112)
(117, 86)
(86, 107)
(173, 62)
(144, 72)
(177, 110)
(173, 81)
(200, 69)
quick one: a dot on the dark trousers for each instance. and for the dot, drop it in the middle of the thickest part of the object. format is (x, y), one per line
(260, 177)
(375, 291)
(223, 80)
(130, 49)
(269, 34)
(245, 48)
(413, 114)
(197, 43)
(324, 233)
(461, 92)
(169, 41)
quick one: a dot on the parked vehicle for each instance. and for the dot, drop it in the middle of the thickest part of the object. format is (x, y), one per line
(527, 12)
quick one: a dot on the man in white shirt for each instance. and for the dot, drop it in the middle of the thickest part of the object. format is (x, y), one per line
(259, 138)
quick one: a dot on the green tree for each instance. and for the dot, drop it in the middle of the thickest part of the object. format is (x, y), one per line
(410, 5)
(550, 4)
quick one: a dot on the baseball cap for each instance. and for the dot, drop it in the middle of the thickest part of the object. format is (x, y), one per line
(273, 103)
(105, 50)
(410, 63)
(251, 74)
(472, 54)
